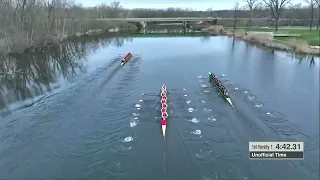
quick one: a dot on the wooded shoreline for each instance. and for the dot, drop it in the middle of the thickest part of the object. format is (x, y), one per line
(31, 25)
(10, 49)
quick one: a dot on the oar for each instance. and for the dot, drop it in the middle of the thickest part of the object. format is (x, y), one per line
(121, 56)
(168, 92)
(131, 53)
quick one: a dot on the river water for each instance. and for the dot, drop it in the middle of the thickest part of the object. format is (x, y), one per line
(74, 113)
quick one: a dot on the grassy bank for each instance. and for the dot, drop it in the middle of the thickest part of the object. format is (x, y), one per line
(311, 37)
(300, 40)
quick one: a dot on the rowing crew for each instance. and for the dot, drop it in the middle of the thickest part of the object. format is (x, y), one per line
(164, 106)
(126, 58)
(220, 85)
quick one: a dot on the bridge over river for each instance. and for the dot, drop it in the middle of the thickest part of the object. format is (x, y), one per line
(194, 19)
(185, 21)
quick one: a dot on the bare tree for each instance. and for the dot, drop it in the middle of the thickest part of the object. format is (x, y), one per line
(311, 3)
(276, 7)
(210, 11)
(291, 12)
(318, 4)
(235, 16)
(251, 5)
(115, 8)
(28, 25)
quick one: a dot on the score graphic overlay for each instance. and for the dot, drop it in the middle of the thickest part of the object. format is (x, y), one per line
(276, 150)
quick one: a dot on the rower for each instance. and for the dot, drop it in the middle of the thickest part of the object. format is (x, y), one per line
(225, 92)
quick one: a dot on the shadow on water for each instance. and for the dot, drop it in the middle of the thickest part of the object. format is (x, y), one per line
(309, 58)
(26, 78)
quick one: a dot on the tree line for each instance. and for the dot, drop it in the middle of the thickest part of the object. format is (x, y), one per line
(277, 9)
(29, 24)
(26, 24)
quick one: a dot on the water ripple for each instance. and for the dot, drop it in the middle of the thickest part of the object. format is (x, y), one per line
(194, 120)
(127, 139)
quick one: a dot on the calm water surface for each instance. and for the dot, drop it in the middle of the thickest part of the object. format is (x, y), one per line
(73, 112)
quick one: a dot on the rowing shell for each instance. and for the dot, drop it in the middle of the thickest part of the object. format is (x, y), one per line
(225, 97)
(126, 59)
(164, 113)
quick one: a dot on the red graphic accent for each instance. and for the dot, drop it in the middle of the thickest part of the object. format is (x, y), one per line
(163, 110)
(163, 101)
(163, 122)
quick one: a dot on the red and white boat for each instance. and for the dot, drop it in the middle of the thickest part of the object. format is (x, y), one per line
(164, 107)
(126, 59)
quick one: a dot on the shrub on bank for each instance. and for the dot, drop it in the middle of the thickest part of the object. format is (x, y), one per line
(299, 46)
(239, 33)
(213, 28)
(258, 38)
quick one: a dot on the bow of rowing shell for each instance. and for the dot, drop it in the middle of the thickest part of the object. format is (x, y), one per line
(164, 106)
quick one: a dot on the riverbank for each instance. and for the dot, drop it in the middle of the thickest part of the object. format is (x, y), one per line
(10, 44)
(298, 46)
(290, 41)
